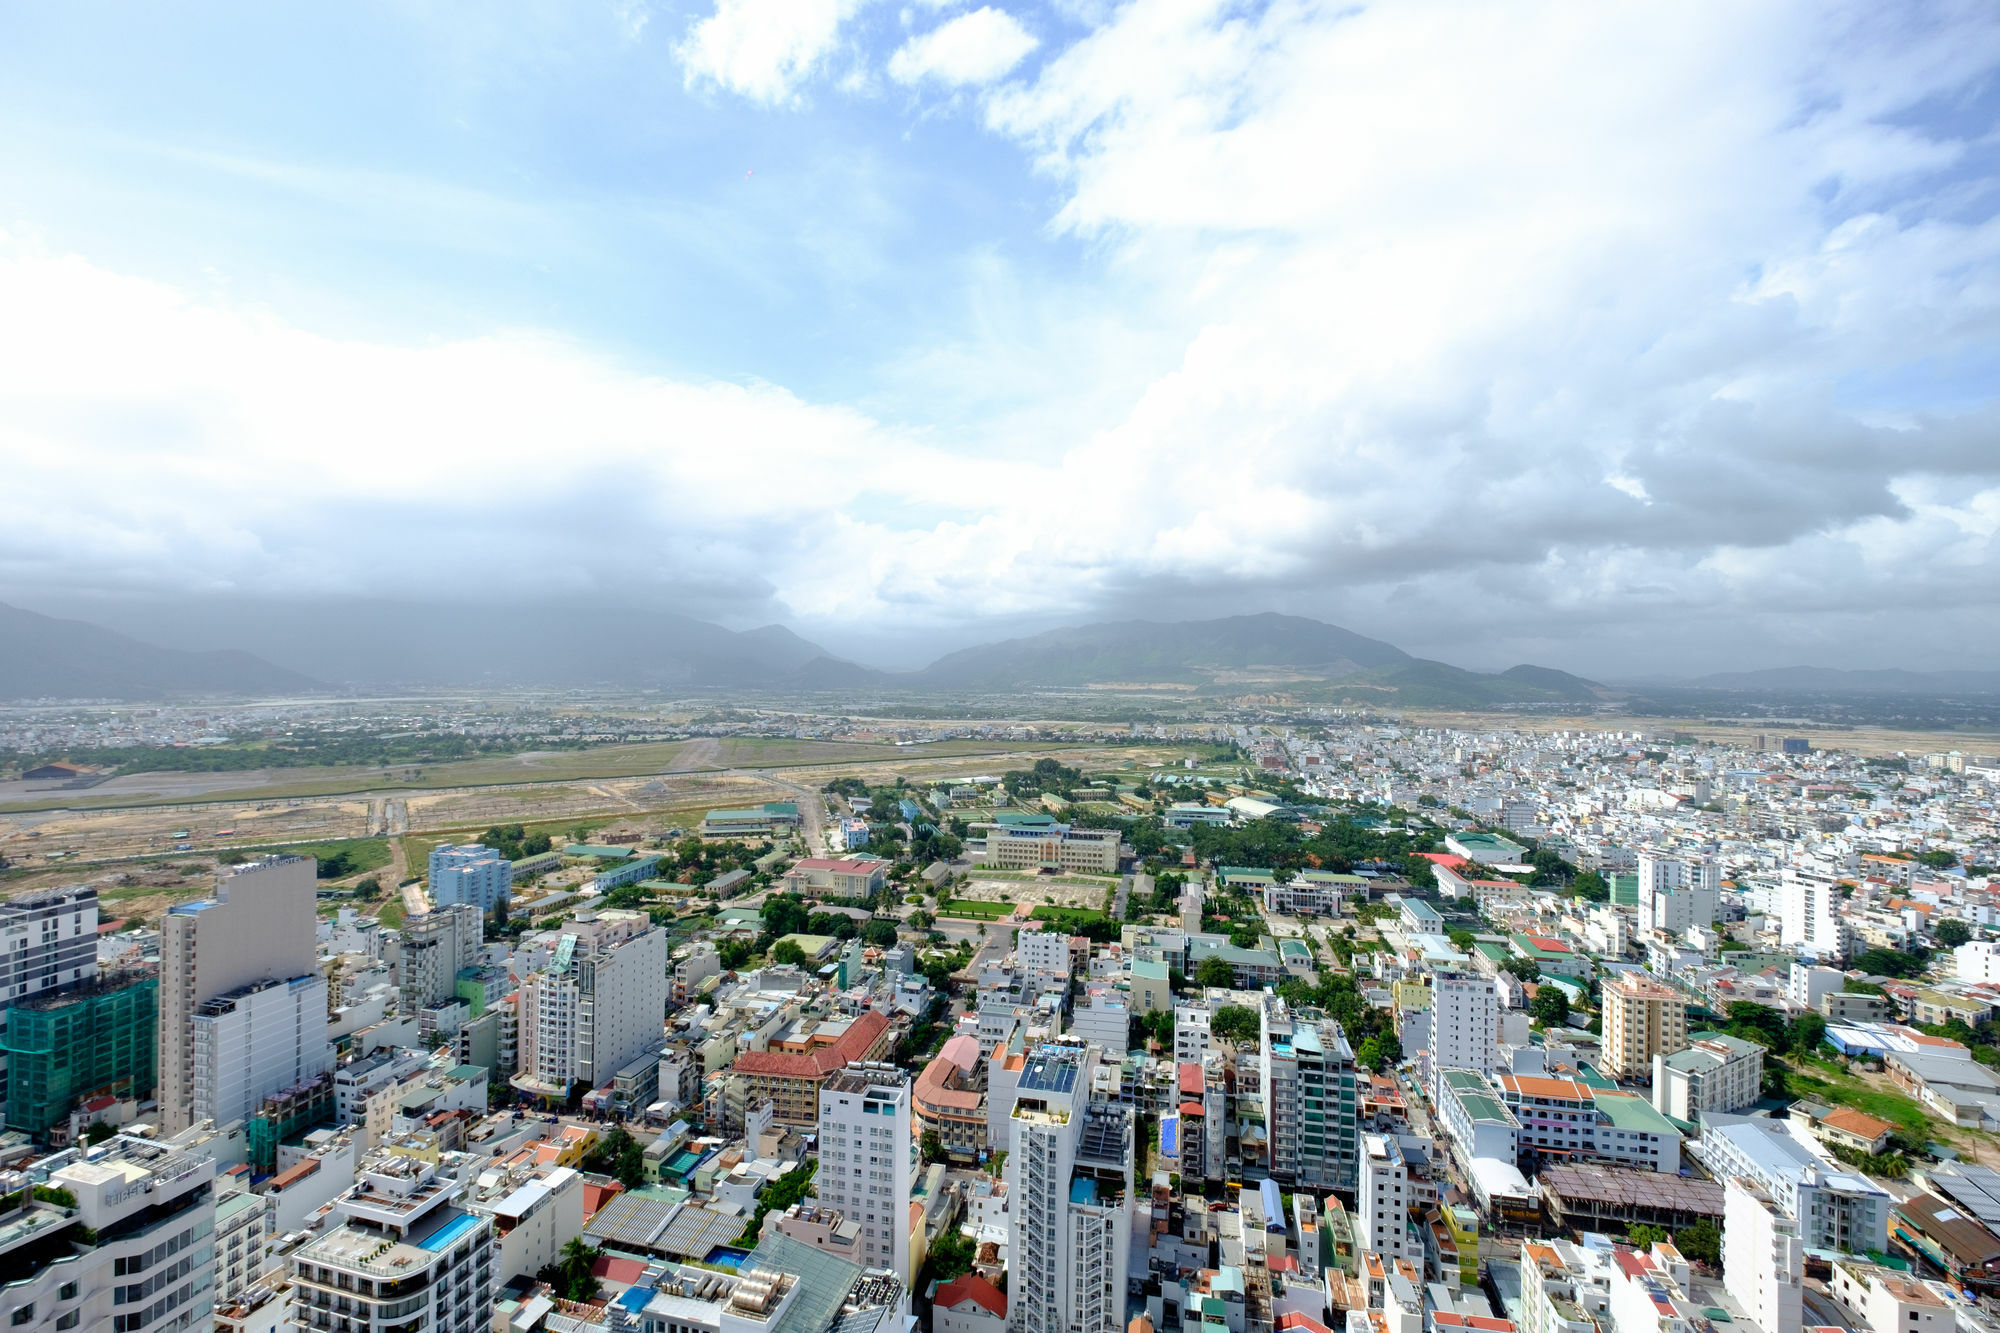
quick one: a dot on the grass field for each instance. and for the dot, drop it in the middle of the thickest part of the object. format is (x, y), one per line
(1071, 918)
(607, 761)
(1836, 1087)
(367, 853)
(972, 911)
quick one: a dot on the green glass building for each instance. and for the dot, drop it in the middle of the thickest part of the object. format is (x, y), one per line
(65, 1046)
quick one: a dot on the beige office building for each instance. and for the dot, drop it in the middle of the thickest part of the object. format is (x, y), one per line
(258, 927)
(1642, 1019)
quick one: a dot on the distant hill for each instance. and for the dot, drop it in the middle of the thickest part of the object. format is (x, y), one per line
(42, 657)
(1241, 653)
(1190, 652)
(377, 643)
(1832, 680)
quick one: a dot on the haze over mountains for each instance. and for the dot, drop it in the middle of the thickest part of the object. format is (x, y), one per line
(384, 646)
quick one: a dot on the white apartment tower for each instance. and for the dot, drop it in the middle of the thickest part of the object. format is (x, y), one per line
(1763, 1258)
(258, 927)
(1069, 1190)
(1382, 1214)
(1677, 892)
(866, 1156)
(398, 1253)
(1809, 917)
(48, 942)
(599, 1004)
(1043, 951)
(151, 1265)
(1465, 1021)
(431, 950)
(252, 1041)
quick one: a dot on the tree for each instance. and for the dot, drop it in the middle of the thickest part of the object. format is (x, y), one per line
(951, 1255)
(98, 1132)
(931, 1145)
(1370, 1054)
(788, 952)
(785, 914)
(1702, 1242)
(1951, 934)
(1939, 859)
(1645, 1237)
(1590, 886)
(1234, 1022)
(1551, 1006)
(1461, 939)
(1216, 972)
(921, 920)
(1808, 1030)
(570, 1273)
(1527, 969)
(880, 933)
(368, 890)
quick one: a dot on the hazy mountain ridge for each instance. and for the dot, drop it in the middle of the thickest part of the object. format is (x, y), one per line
(45, 657)
(1834, 680)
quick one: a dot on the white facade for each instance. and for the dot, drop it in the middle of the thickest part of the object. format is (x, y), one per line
(1715, 1073)
(429, 952)
(866, 1158)
(1677, 892)
(533, 1220)
(1763, 1258)
(1465, 1021)
(1069, 1193)
(1883, 1298)
(1382, 1216)
(252, 1042)
(597, 1006)
(398, 1254)
(259, 926)
(1978, 960)
(1809, 918)
(169, 1254)
(1043, 951)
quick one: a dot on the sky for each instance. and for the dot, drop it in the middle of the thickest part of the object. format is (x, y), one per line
(1633, 339)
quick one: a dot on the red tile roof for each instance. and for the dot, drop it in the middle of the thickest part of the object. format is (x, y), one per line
(625, 1272)
(852, 1045)
(976, 1289)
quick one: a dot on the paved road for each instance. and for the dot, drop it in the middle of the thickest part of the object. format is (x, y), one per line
(1824, 1311)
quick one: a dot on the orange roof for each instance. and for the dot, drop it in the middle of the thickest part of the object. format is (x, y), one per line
(595, 1196)
(976, 1289)
(1191, 1080)
(851, 1045)
(1530, 1086)
(293, 1174)
(1858, 1123)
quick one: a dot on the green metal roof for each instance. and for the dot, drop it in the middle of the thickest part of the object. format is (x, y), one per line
(1629, 1112)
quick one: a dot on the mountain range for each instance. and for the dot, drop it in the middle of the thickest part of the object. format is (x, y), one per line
(376, 645)
(1830, 680)
(42, 657)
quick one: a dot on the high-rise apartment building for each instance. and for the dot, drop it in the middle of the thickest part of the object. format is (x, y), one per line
(48, 942)
(1717, 1072)
(866, 1156)
(1069, 1192)
(429, 951)
(253, 1041)
(1677, 892)
(1465, 1021)
(258, 927)
(1763, 1259)
(1382, 1211)
(471, 874)
(149, 1264)
(398, 1254)
(1642, 1018)
(1310, 1098)
(599, 1004)
(64, 1046)
(1809, 914)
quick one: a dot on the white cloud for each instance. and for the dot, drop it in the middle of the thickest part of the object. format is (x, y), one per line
(763, 49)
(974, 48)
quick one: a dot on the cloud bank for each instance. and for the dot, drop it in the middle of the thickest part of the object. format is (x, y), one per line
(1529, 330)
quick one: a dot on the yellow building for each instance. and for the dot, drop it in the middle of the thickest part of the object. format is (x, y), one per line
(1642, 1018)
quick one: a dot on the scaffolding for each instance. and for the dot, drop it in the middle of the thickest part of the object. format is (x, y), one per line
(63, 1047)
